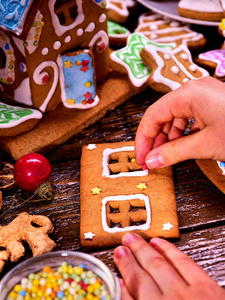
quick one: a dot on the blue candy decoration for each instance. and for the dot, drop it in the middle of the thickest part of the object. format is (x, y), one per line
(222, 164)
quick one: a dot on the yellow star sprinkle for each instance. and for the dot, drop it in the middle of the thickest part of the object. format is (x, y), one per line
(142, 186)
(68, 64)
(96, 191)
(70, 101)
(133, 160)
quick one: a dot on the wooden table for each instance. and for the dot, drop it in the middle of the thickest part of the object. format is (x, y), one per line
(200, 205)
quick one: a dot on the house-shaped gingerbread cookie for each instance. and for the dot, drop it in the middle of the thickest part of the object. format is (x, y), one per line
(52, 51)
(118, 196)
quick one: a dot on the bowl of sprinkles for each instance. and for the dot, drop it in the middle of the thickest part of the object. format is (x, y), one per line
(65, 275)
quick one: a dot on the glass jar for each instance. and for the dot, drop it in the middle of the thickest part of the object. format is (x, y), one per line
(54, 260)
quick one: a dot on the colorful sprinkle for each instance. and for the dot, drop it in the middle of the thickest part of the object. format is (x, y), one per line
(142, 186)
(46, 285)
(96, 191)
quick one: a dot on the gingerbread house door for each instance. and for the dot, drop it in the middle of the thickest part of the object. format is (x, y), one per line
(77, 79)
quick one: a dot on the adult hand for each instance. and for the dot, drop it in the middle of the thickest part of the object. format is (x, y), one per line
(160, 141)
(159, 271)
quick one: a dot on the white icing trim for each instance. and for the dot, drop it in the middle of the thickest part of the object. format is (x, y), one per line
(211, 6)
(22, 93)
(222, 168)
(99, 35)
(60, 29)
(35, 115)
(106, 173)
(38, 75)
(122, 198)
(123, 11)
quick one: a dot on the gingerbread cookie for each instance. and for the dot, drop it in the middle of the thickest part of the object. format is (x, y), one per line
(119, 196)
(127, 60)
(117, 34)
(171, 67)
(214, 170)
(15, 120)
(36, 36)
(208, 10)
(119, 10)
(161, 29)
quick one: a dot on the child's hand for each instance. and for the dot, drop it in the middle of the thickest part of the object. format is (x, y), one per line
(159, 271)
(159, 140)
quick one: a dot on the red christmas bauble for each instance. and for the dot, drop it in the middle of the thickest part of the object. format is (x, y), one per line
(31, 170)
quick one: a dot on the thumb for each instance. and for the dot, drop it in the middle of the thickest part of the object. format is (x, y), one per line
(193, 146)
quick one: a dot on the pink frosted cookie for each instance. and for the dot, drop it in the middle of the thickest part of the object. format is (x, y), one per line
(170, 67)
(209, 10)
(215, 60)
(118, 196)
(160, 29)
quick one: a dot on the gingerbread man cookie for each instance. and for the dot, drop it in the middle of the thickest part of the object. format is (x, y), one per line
(171, 67)
(161, 29)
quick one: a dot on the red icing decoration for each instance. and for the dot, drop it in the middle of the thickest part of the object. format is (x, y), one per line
(85, 62)
(87, 95)
(144, 167)
(9, 79)
(31, 170)
(90, 101)
(101, 47)
(45, 79)
(84, 68)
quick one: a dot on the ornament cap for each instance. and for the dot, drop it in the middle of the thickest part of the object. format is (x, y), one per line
(44, 191)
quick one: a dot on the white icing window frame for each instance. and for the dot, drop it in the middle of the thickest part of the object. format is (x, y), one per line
(144, 226)
(106, 173)
(60, 29)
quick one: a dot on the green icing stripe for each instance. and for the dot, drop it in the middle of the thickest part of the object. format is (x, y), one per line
(116, 29)
(129, 56)
(13, 115)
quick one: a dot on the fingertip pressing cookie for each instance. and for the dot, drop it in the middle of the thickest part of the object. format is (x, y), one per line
(208, 10)
(171, 67)
(120, 196)
(214, 170)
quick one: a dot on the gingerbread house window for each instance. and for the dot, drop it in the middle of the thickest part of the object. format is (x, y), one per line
(66, 14)
(126, 212)
(66, 11)
(120, 162)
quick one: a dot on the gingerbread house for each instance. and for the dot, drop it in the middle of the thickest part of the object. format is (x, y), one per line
(52, 51)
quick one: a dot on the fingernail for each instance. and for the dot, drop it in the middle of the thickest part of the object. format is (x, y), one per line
(155, 242)
(129, 238)
(121, 282)
(155, 161)
(120, 252)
